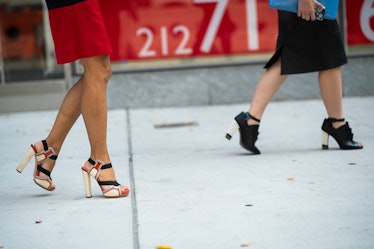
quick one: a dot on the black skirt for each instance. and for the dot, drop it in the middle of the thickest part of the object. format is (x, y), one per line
(307, 46)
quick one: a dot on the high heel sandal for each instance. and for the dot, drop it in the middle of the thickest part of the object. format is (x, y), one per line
(40, 157)
(343, 135)
(110, 189)
(248, 133)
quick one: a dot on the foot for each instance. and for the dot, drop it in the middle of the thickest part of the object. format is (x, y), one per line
(341, 132)
(48, 164)
(106, 175)
(248, 131)
(45, 159)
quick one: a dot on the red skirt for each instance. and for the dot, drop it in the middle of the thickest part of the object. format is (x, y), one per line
(78, 29)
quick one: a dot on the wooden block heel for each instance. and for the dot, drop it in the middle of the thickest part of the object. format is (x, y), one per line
(26, 159)
(87, 183)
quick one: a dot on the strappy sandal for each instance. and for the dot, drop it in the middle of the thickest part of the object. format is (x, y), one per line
(110, 189)
(40, 157)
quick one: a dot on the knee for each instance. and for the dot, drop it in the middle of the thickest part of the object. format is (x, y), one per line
(106, 73)
(104, 69)
(97, 69)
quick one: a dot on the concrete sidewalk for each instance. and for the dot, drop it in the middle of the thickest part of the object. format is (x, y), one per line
(190, 187)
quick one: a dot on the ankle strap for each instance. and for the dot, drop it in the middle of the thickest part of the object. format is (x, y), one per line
(333, 120)
(97, 167)
(249, 116)
(47, 149)
(101, 166)
(47, 153)
(45, 145)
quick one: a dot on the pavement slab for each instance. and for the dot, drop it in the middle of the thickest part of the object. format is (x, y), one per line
(190, 187)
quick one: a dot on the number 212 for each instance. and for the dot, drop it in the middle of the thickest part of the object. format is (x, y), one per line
(209, 36)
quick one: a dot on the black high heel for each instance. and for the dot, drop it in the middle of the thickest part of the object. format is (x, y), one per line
(343, 135)
(248, 133)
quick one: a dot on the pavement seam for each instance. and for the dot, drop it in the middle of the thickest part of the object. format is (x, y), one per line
(134, 208)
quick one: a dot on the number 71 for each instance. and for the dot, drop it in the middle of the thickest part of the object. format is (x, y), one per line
(215, 21)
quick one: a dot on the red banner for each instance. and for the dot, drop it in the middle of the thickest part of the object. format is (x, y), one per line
(360, 21)
(154, 29)
(161, 29)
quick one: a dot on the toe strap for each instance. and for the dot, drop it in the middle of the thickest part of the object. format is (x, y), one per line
(44, 171)
(113, 189)
(106, 183)
(96, 167)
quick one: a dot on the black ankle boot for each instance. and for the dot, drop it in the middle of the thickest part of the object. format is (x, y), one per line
(248, 133)
(343, 135)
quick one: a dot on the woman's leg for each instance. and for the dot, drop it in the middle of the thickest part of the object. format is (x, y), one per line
(97, 72)
(248, 123)
(266, 88)
(330, 84)
(66, 117)
(69, 112)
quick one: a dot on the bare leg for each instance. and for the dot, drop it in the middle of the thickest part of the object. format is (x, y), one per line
(266, 88)
(330, 84)
(66, 117)
(87, 96)
(69, 112)
(248, 125)
(97, 72)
